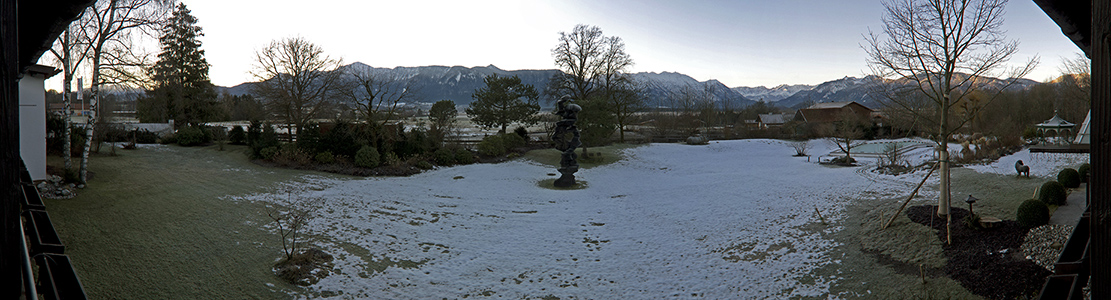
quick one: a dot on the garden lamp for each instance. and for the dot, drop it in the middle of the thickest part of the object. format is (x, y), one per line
(970, 200)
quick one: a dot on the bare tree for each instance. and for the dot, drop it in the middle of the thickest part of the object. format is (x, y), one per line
(378, 92)
(70, 50)
(845, 133)
(296, 79)
(941, 51)
(579, 54)
(291, 218)
(113, 25)
(800, 146)
(621, 97)
(1074, 87)
(593, 67)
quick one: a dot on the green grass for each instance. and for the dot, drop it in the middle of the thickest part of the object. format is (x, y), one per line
(154, 224)
(610, 154)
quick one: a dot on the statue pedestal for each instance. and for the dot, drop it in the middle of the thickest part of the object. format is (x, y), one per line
(568, 177)
(567, 180)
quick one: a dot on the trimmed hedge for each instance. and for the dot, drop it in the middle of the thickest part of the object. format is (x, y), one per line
(1069, 177)
(1032, 213)
(1084, 170)
(444, 157)
(464, 156)
(493, 145)
(367, 157)
(1053, 193)
(190, 136)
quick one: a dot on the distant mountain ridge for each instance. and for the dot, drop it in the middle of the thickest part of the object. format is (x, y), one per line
(457, 83)
(773, 94)
(858, 89)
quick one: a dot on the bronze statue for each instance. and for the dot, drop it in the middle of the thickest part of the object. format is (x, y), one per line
(568, 164)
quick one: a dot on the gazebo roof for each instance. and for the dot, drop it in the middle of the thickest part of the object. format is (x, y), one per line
(1055, 122)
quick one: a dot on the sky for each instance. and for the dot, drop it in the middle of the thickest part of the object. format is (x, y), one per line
(740, 43)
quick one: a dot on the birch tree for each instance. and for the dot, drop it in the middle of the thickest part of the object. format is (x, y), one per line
(70, 50)
(941, 51)
(113, 25)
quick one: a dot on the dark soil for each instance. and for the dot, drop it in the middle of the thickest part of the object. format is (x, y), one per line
(305, 268)
(987, 262)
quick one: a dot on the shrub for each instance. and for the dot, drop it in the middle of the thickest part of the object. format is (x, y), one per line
(1032, 213)
(168, 139)
(464, 156)
(237, 136)
(391, 159)
(268, 152)
(972, 221)
(512, 141)
(424, 164)
(367, 157)
(190, 136)
(493, 145)
(143, 136)
(309, 138)
(1084, 170)
(415, 142)
(1069, 178)
(1053, 193)
(325, 157)
(522, 132)
(444, 157)
(261, 136)
(290, 154)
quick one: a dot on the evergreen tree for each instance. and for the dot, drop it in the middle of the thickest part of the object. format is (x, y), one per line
(504, 100)
(182, 90)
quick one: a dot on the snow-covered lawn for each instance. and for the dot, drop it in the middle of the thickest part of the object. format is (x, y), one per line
(1041, 164)
(731, 220)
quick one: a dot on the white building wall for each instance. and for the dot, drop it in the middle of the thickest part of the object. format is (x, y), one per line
(32, 125)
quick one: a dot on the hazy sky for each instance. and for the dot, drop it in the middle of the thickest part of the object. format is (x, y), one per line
(740, 43)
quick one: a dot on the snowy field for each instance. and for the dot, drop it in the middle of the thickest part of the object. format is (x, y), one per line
(731, 220)
(1045, 165)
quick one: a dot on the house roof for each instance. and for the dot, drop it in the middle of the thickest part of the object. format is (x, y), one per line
(831, 111)
(1075, 19)
(827, 105)
(40, 22)
(773, 118)
(44, 71)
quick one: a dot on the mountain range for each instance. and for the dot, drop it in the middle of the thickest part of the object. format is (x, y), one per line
(457, 83)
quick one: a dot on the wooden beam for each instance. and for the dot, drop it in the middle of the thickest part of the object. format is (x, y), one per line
(11, 281)
(1100, 182)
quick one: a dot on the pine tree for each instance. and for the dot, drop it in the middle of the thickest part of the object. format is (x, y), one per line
(504, 100)
(182, 90)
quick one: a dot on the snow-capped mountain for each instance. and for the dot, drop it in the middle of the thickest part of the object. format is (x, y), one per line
(772, 94)
(840, 90)
(861, 89)
(457, 83)
(666, 84)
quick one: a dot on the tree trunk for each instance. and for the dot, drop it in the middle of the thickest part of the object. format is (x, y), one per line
(943, 150)
(68, 111)
(91, 122)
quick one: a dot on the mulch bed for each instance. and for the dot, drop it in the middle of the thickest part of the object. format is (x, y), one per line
(987, 262)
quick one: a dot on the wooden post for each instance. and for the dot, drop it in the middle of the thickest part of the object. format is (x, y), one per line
(915, 192)
(1100, 181)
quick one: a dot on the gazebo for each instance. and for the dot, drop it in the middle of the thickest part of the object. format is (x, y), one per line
(1061, 129)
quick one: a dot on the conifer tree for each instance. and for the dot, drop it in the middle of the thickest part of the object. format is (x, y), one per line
(504, 100)
(182, 90)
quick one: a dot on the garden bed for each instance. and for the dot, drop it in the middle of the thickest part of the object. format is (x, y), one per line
(987, 261)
